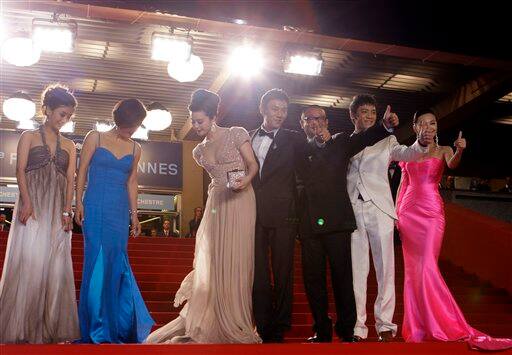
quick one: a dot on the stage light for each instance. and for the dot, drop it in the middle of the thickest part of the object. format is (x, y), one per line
(103, 126)
(246, 61)
(19, 107)
(69, 127)
(20, 51)
(168, 47)
(303, 64)
(53, 38)
(158, 117)
(186, 71)
(141, 133)
(27, 124)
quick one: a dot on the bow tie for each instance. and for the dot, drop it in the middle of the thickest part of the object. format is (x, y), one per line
(268, 134)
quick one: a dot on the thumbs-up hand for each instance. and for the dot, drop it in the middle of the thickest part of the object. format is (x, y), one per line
(460, 143)
(390, 119)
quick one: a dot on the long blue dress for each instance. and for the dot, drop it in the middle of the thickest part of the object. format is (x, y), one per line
(111, 308)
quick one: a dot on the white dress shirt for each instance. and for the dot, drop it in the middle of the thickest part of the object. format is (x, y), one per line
(261, 145)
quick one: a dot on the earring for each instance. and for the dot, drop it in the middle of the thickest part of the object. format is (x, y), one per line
(436, 139)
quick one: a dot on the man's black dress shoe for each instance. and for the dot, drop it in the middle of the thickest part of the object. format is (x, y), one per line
(350, 339)
(319, 339)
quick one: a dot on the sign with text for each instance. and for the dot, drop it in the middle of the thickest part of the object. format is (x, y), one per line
(160, 166)
(155, 202)
(9, 194)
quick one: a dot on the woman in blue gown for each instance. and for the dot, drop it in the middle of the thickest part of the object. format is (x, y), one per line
(111, 308)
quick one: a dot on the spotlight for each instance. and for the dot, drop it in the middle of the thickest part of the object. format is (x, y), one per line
(20, 51)
(27, 124)
(54, 36)
(158, 117)
(141, 133)
(246, 61)
(69, 127)
(303, 64)
(186, 71)
(103, 126)
(168, 47)
(19, 107)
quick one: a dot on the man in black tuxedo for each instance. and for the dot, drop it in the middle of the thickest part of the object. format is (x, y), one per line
(276, 227)
(327, 219)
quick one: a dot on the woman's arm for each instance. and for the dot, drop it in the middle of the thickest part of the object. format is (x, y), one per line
(25, 210)
(251, 164)
(453, 159)
(133, 191)
(404, 183)
(88, 148)
(67, 222)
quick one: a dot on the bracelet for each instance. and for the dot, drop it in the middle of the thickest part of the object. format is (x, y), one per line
(133, 212)
(67, 214)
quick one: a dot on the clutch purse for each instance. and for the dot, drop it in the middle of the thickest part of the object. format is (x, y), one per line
(234, 175)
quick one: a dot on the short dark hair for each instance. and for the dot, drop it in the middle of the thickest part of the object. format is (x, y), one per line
(129, 113)
(274, 94)
(305, 109)
(421, 112)
(206, 101)
(56, 95)
(360, 100)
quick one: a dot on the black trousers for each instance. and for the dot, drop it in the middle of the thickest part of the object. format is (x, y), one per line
(316, 250)
(273, 307)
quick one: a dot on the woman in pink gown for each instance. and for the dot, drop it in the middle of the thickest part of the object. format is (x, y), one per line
(430, 312)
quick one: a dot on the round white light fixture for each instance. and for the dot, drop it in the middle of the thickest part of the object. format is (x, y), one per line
(19, 107)
(69, 127)
(103, 126)
(246, 61)
(20, 51)
(186, 71)
(27, 124)
(157, 118)
(141, 133)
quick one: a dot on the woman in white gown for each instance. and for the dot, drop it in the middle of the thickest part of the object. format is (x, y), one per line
(218, 291)
(37, 290)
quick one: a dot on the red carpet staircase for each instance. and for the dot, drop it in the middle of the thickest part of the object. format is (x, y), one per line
(160, 264)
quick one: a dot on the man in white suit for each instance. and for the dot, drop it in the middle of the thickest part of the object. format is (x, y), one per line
(369, 192)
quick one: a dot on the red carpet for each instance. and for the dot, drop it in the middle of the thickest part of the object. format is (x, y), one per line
(281, 349)
(160, 264)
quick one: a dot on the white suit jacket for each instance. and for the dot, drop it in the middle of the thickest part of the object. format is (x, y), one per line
(368, 171)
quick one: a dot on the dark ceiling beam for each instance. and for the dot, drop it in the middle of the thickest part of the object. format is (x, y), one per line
(231, 30)
(466, 101)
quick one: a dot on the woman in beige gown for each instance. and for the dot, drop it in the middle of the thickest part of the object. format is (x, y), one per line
(37, 289)
(218, 291)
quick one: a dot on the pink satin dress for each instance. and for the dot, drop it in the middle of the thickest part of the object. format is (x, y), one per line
(430, 312)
